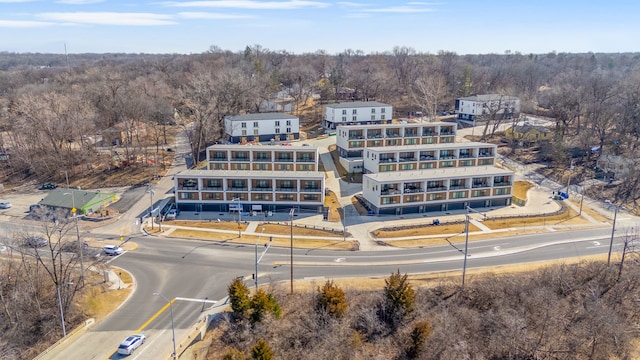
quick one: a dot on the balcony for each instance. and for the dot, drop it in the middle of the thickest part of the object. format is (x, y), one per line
(356, 137)
(502, 183)
(310, 190)
(305, 160)
(238, 189)
(390, 192)
(284, 159)
(374, 135)
(427, 157)
(447, 157)
(219, 158)
(214, 188)
(485, 154)
(413, 190)
(405, 159)
(287, 189)
(181, 187)
(465, 155)
(410, 133)
(436, 188)
(457, 187)
(428, 133)
(387, 160)
(392, 135)
(262, 189)
(237, 158)
(479, 185)
(262, 159)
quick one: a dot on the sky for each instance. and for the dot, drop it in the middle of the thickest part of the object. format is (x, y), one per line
(302, 26)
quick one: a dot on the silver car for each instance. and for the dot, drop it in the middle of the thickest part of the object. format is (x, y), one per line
(112, 250)
(131, 343)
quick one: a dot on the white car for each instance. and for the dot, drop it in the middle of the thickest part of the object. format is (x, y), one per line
(131, 343)
(5, 204)
(112, 250)
(171, 215)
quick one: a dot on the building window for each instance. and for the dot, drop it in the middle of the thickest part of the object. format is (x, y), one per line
(344, 112)
(285, 197)
(286, 184)
(255, 124)
(244, 132)
(212, 196)
(444, 164)
(407, 166)
(237, 183)
(218, 166)
(288, 122)
(354, 118)
(277, 130)
(263, 184)
(305, 167)
(413, 198)
(241, 166)
(429, 165)
(502, 191)
(382, 111)
(384, 168)
(382, 117)
(434, 196)
(458, 194)
(354, 111)
(373, 111)
(284, 167)
(288, 130)
(388, 200)
(277, 122)
(411, 141)
(485, 161)
(344, 118)
(187, 196)
(373, 117)
(466, 162)
(310, 197)
(261, 166)
(243, 125)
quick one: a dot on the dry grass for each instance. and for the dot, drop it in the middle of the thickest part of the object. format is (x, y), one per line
(222, 225)
(443, 228)
(589, 211)
(336, 244)
(277, 229)
(331, 201)
(520, 189)
(98, 301)
(568, 217)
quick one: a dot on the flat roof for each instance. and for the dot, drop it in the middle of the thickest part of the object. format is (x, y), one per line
(373, 126)
(260, 116)
(261, 147)
(445, 146)
(436, 174)
(356, 104)
(488, 97)
(250, 174)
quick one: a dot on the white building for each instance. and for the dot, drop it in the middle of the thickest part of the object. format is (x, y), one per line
(359, 112)
(255, 178)
(421, 191)
(351, 140)
(261, 127)
(422, 157)
(485, 106)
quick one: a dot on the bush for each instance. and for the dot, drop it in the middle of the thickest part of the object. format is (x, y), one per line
(263, 303)
(261, 351)
(239, 298)
(419, 335)
(331, 299)
(399, 299)
(234, 354)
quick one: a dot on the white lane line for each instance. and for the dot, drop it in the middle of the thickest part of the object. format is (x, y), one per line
(196, 300)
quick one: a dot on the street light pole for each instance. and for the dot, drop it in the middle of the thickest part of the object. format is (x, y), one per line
(344, 223)
(74, 211)
(291, 246)
(239, 208)
(466, 240)
(613, 230)
(173, 332)
(151, 193)
(64, 329)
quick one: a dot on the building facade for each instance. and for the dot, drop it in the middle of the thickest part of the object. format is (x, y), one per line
(481, 107)
(352, 140)
(253, 179)
(261, 127)
(357, 113)
(421, 191)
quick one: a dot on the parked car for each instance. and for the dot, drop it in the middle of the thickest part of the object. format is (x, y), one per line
(171, 214)
(48, 186)
(112, 250)
(131, 343)
(36, 241)
(5, 204)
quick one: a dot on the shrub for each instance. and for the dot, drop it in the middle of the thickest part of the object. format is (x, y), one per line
(331, 299)
(234, 354)
(239, 298)
(261, 351)
(399, 299)
(263, 303)
(419, 335)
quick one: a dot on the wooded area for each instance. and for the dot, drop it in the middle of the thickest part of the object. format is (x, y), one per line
(54, 110)
(582, 311)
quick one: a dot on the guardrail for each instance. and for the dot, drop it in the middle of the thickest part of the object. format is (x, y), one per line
(87, 323)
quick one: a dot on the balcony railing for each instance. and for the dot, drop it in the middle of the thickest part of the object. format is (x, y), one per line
(392, 135)
(217, 158)
(427, 157)
(281, 189)
(180, 187)
(437, 188)
(235, 158)
(238, 189)
(305, 160)
(428, 133)
(413, 190)
(310, 190)
(502, 183)
(481, 185)
(284, 159)
(447, 157)
(262, 189)
(387, 160)
(485, 154)
(374, 136)
(389, 192)
(356, 137)
(262, 159)
(410, 134)
(407, 159)
(214, 188)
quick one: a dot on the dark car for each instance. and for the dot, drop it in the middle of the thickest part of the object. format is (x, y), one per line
(48, 186)
(36, 241)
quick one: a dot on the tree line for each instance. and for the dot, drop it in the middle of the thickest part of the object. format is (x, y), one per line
(51, 105)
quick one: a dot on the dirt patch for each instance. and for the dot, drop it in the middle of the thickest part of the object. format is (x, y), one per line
(331, 201)
(520, 189)
(423, 230)
(278, 229)
(567, 217)
(218, 225)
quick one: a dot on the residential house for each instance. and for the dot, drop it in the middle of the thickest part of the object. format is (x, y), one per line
(261, 127)
(85, 201)
(357, 113)
(528, 134)
(482, 107)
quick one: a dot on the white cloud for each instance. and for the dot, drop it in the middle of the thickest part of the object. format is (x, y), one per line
(23, 24)
(110, 18)
(14, 1)
(399, 9)
(78, 2)
(351, 4)
(215, 16)
(251, 4)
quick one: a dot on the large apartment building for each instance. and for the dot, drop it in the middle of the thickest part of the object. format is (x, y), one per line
(253, 178)
(261, 127)
(352, 140)
(358, 112)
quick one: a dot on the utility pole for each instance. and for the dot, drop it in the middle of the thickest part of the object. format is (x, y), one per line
(613, 230)
(291, 247)
(466, 239)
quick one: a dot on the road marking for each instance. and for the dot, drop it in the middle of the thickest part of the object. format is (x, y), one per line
(197, 300)
(155, 315)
